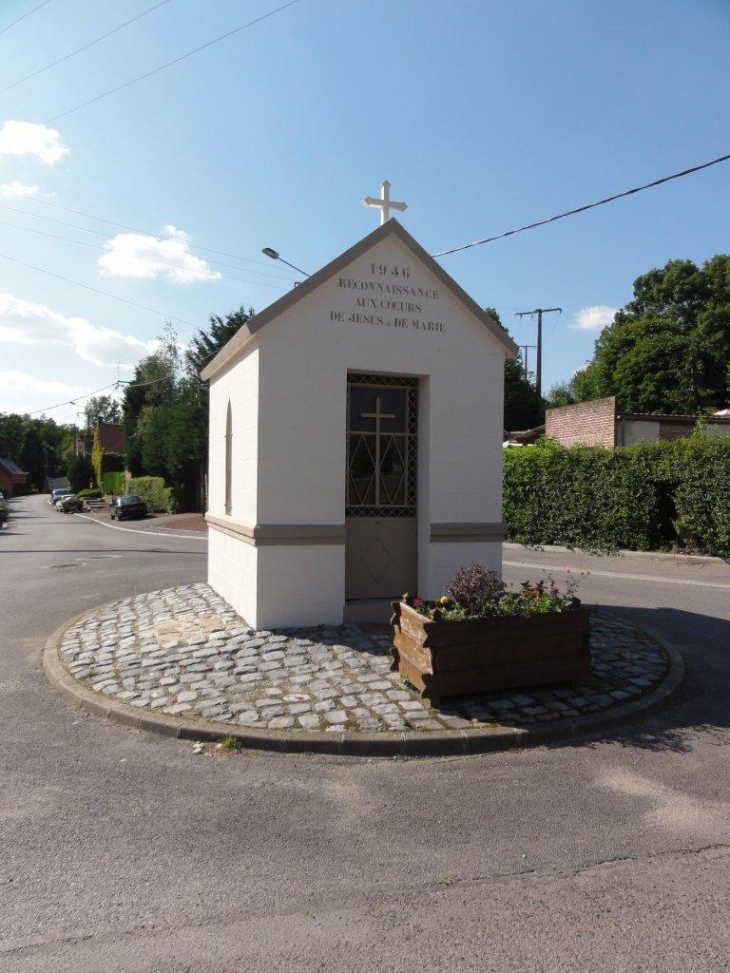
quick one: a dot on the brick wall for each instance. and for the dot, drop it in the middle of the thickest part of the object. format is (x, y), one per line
(584, 424)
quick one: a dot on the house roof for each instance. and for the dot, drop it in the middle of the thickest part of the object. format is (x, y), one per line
(12, 468)
(113, 437)
(391, 227)
(718, 418)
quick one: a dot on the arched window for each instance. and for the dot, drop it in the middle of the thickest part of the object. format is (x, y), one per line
(229, 459)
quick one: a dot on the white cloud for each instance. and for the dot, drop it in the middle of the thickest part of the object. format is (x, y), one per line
(23, 382)
(149, 257)
(593, 318)
(28, 138)
(17, 188)
(25, 323)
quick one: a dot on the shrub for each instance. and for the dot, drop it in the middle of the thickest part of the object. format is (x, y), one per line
(79, 472)
(473, 588)
(642, 497)
(153, 491)
(89, 494)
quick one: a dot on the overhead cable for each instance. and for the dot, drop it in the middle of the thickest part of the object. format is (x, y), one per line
(158, 261)
(85, 47)
(169, 64)
(45, 3)
(123, 226)
(72, 401)
(95, 290)
(582, 209)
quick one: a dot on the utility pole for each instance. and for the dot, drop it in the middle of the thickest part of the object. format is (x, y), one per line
(525, 365)
(539, 311)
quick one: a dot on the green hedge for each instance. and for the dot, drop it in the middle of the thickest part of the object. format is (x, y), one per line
(114, 482)
(645, 497)
(153, 491)
(89, 494)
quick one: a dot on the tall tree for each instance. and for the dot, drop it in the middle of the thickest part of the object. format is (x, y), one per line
(102, 408)
(668, 350)
(204, 345)
(33, 457)
(524, 408)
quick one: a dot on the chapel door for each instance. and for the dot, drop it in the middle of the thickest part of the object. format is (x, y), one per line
(380, 515)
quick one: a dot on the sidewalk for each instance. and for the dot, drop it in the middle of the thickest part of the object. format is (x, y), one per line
(177, 522)
(183, 663)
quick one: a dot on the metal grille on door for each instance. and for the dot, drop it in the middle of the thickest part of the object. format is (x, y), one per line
(382, 468)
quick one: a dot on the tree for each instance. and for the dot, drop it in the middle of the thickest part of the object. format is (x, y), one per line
(560, 394)
(33, 458)
(102, 408)
(204, 345)
(12, 429)
(668, 350)
(165, 409)
(80, 472)
(524, 408)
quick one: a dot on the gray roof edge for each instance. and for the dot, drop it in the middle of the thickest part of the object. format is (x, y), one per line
(11, 466)
(232, 348)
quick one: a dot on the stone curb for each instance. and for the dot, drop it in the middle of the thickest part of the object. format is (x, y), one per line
(411, 744)
(148, 532)
(646, 555)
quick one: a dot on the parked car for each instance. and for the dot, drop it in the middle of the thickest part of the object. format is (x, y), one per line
(122, 508)
(56, 495)
(70, 504)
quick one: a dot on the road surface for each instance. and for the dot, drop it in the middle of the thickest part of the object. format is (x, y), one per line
(121, 851)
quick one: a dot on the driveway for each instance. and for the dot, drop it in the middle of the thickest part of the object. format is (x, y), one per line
(125, 851)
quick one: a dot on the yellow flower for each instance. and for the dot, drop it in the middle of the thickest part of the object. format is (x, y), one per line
(444, 601)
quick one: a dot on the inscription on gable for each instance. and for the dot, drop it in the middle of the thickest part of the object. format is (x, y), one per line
(383, 296)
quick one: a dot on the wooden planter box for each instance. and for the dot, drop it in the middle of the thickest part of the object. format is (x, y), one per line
(452, 658)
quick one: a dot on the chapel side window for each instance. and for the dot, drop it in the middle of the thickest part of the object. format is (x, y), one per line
(229, 460)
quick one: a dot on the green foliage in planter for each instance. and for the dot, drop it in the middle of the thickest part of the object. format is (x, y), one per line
(88, 494)
(476, 592)
(643, 497)
(153, 491)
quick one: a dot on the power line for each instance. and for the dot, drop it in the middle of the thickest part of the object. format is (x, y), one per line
(125, 226)
(582, 209)
(85, 47)
(163, 67)
(95, 290)
(151, 260)
(45, 3)
(60, 405)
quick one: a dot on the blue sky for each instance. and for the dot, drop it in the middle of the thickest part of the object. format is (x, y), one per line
(483, 115)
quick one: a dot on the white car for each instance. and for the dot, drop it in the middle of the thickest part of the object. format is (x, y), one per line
(56, 496)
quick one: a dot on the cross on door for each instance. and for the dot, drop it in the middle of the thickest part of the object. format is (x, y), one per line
(377, 415)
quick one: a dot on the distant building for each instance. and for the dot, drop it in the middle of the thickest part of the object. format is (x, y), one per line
(13, 481)
(598, 423)
(113, 439)
(525, 437)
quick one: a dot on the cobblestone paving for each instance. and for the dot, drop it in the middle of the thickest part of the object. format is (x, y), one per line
(185, 652)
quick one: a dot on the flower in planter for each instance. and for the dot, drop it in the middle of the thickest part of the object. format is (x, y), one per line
(477, 592)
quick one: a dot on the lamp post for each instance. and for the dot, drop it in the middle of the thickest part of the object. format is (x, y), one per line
(274, 255)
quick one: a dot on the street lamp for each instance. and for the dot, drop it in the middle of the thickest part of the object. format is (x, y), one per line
(274, 255)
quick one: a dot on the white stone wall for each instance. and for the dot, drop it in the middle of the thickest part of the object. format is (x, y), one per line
(289, 408)
(233, 572)
(239, 386)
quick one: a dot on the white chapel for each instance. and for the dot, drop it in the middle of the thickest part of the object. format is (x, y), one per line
(356, 441)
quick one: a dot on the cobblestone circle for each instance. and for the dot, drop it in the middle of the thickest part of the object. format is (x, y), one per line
(185, 652)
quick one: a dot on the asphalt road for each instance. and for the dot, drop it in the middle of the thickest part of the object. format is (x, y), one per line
(121, 851)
